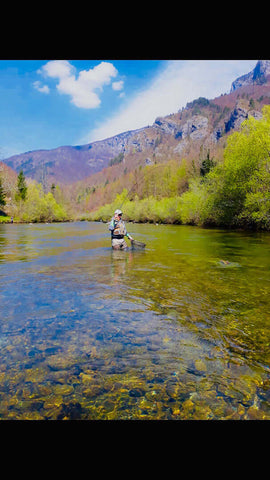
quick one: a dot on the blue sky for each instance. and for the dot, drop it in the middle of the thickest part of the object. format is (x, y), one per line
(45, 104)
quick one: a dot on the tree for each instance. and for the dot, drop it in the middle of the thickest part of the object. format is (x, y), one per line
(41, 207)
(238, 191)
(118, 159)
(251, 103)
(53, 188)
(21, 187)
(2, 195)
(207, 164)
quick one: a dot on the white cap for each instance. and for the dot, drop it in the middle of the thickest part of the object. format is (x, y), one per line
(118, 212)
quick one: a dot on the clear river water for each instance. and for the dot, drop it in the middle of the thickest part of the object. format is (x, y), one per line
(179, 331)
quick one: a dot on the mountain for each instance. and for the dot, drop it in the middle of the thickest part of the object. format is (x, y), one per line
(257, 76)
(202, 122)
(67, 164)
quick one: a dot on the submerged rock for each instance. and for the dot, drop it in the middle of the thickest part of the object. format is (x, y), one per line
(136, 392)
(200, 366)
(71, 411)
(63, 390)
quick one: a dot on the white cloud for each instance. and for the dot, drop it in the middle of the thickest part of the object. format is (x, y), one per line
(178, 83)
(57, 69)
(41, 88)
(118, 85)
(84, 90)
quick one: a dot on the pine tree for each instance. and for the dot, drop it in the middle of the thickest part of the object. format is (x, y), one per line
(2, 195)
(21, 187)
(207, 164)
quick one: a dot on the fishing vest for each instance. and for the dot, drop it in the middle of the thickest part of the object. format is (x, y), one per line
(119, 230)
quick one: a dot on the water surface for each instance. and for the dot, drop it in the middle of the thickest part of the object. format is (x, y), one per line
(179, 331)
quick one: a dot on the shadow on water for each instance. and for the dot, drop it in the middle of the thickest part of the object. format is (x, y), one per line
(177, 331)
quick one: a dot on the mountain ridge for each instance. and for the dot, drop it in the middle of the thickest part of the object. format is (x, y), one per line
(202, 121)
(60, 164)
(258, 75)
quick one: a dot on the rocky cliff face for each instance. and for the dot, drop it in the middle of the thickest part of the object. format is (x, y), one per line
(258, 75)
(237, 117)
(195, 127)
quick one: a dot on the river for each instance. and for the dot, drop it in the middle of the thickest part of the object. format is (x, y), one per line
(178, 331)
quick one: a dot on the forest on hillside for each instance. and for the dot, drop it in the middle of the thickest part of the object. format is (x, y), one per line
(232, 191)
(230, 188)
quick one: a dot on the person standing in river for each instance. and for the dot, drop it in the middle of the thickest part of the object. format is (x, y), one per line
(118, 231)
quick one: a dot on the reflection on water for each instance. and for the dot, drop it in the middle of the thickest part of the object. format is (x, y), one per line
(178, 331)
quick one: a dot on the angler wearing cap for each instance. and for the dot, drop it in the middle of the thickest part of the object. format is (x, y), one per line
(118, 231)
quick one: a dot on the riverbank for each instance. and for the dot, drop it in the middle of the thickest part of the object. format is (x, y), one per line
(5, 219)
(189, 209)
(127, 219)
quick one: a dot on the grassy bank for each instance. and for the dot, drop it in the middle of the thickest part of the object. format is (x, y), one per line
(4, 219)
(145, 210)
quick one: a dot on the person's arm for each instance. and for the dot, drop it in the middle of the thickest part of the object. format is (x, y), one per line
(111, 225)
(128, 235)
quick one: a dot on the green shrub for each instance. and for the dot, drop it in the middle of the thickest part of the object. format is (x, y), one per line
(40, 207)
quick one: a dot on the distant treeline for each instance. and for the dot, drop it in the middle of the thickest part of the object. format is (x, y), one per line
(27, 202)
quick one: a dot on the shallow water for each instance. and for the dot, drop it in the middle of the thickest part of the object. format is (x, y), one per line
(178, 331)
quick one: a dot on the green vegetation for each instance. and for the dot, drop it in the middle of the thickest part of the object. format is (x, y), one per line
(234, 192)
(2, 195)
(41, 207)
(237, 192)
(118, 159)
(28, 202)
(21, 187)
(198, 102)
(4, 219)
(207, 164)
(146, 210)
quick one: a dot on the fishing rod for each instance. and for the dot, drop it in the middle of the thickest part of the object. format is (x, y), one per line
(135, 244)
(128, 194)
